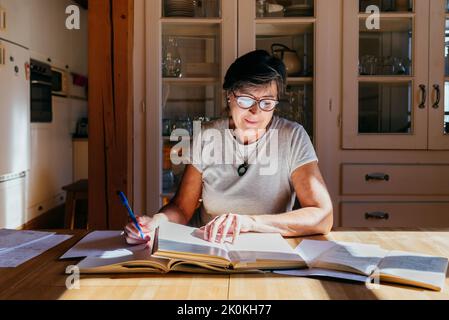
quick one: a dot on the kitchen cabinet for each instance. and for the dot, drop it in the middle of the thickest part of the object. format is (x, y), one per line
(439, 75)
(395, 214)
(15, 21)
(52, 42)
(189, 55)
(393, 159)
(294, 38)
(365, 116)
(42, 29)
(78, 55)
(393, 84)
(187, 58)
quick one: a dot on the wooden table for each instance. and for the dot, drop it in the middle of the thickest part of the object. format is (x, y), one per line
(44, 278)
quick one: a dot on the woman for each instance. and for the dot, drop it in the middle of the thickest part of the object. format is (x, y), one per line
(241, 197)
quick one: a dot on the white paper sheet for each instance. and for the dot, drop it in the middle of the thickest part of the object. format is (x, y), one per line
(316, 272)
(15, 257)
(107, 244)
(11, 239)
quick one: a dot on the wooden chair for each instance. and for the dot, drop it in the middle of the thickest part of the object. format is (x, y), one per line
(75, 191)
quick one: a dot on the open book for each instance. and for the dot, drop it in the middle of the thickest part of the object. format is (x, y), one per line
(371, 261)
(181, 248)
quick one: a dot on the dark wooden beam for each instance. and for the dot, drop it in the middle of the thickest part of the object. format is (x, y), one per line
(110, 111)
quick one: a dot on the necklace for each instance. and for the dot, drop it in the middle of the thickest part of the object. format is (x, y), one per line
(243, 168)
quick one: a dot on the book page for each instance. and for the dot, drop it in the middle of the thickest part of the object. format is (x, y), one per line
(250, 247)
(316, 272)
(345, 256)
(102, 243)
(139, 260)
(173, 237)
(11, 239)
(420, 268)
(20, 255)
(309, 250)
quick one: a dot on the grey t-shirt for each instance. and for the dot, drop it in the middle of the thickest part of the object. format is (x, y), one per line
(266, 187)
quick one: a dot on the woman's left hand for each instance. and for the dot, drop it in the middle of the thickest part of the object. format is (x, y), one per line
(221, 226)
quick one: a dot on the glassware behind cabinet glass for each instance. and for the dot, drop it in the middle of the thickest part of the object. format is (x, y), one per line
(260, 8)
(171, 60)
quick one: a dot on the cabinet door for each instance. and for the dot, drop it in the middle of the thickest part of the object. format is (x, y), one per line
(439, 75)
(40, 178)
(41, 27)
(79, 46)
(60, 48)
(191, 45)
(15, 21)
(385, 75)
(50, 38)
(288, 31)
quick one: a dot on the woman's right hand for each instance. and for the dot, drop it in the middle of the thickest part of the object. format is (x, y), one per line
(148, 226)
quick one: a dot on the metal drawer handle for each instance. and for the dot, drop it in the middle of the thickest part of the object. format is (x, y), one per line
(2, 19)
(378, 215)
(422, 105)
(2, 55)
(377, 177)
(436, 105)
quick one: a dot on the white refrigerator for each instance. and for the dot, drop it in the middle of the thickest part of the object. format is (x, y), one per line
(14, 133)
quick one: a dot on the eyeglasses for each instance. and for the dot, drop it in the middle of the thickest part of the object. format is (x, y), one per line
(246, 103)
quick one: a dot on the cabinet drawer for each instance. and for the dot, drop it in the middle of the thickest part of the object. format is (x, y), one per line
(395, 179)
(395, 214)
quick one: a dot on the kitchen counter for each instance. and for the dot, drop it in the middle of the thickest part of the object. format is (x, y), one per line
(43, 277)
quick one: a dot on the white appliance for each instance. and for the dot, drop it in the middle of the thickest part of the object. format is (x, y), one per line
(14, 132)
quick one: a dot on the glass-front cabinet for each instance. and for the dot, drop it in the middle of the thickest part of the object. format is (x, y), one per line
(439, 75)
(393, 74)
(286, 29)
(191, 43)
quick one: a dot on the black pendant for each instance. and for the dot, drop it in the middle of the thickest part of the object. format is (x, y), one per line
(242, 169)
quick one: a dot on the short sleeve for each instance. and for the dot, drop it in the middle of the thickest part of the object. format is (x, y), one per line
(301, 150)
(196, 149)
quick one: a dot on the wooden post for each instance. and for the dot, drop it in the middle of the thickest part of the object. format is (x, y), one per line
(110, 111)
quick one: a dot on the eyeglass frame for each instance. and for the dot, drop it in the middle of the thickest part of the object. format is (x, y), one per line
(255, 101)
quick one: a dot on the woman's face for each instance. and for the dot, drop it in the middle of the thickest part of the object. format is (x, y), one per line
(250, 122)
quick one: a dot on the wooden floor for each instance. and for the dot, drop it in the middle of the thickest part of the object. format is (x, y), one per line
(44, 277)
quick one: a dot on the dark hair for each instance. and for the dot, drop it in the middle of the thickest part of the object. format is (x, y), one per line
(255, 68)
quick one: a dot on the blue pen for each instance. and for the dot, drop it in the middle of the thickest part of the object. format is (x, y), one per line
(130, 212)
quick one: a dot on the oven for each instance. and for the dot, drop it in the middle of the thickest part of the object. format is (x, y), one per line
(41, 92)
